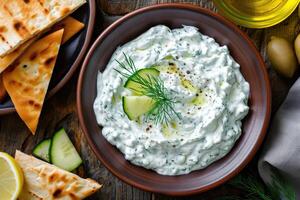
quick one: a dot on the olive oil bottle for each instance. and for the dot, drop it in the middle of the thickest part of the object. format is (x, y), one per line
(256, 13)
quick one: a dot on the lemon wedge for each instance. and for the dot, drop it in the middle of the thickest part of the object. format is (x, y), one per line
(11, 177)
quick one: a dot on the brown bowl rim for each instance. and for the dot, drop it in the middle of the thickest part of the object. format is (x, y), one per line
(262, 134)
(75, 65)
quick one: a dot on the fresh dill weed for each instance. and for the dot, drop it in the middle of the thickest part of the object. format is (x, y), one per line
(163, 111)
(254, 188)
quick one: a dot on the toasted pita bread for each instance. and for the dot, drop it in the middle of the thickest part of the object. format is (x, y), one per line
(21, 20)
(46, 181)
(2, 90)
(11, 57)
(27, 80)
(70, 25)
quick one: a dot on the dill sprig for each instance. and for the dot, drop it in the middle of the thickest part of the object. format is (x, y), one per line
(254, 189)
(153, 87)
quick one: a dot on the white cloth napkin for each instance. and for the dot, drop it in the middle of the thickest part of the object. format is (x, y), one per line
(282, 145)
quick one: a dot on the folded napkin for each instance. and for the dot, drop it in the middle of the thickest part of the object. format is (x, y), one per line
(281, 151)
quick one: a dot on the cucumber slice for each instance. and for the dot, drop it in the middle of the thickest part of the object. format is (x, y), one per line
(41, 150)
(169, 57)
(63, 153)
(135, 106)
(137, 89)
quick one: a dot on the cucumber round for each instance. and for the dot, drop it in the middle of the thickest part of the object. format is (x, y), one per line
(169, 57)
(135, 106)
(63, 153)
(135, 87)
(41, 150)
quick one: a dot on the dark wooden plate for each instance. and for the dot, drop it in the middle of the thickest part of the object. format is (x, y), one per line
(70, 54)
(241, 48)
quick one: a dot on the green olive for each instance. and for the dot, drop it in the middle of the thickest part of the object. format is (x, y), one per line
(282, 56)
(297, 47)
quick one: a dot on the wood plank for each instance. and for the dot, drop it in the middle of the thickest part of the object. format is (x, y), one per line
(60, 111)
(121, 7)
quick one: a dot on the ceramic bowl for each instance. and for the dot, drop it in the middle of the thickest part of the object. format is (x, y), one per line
(225, 33)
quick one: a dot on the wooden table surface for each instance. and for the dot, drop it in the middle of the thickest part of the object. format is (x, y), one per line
(60, 110)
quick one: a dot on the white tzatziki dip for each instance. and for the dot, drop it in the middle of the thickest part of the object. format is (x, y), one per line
(210, 96)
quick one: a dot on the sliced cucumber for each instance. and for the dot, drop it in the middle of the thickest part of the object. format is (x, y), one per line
(63, 153)
(169, 57)
(41, 150)
(137, 89)
(135, 106)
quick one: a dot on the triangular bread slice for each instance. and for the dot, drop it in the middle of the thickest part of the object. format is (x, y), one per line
(27, 80)
(21, 20)
(70, 25)
(11, 57)
(46, 181)
(2, 90)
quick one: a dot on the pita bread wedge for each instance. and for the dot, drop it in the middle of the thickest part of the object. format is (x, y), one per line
(21, 20)
(2, 90)
(48, 182)
(27, 80)
(11, 57)
(70, 25)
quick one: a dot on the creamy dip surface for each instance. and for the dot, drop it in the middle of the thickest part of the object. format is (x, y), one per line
(210, 92)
